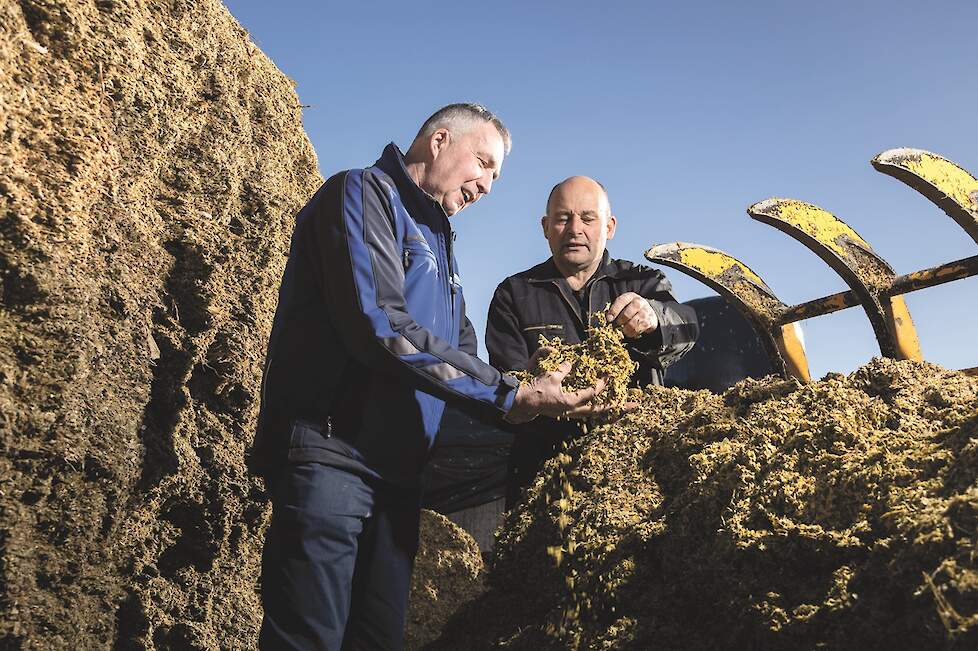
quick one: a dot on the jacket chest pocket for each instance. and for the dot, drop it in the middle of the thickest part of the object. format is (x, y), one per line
(418, 258)
(549, 330)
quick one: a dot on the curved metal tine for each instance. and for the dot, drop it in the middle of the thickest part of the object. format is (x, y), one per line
(952, 188)
(743, 289)
(867, 274)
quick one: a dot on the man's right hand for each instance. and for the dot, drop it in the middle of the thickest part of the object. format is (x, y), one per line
(544, 396)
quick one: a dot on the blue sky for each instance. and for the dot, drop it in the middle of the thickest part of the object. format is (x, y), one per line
(687, 112)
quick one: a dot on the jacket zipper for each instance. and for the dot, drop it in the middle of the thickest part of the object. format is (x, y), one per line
(446, 257)
(588, 289)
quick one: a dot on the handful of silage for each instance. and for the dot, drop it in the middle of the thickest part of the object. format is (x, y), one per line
(601, 355)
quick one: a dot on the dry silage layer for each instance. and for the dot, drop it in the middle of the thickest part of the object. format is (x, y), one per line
(151, 162)
(840, 514)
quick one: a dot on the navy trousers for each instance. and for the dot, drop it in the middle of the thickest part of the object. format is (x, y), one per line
(336, 567)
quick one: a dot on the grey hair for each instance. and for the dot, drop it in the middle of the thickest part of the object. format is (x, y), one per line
(462, 117)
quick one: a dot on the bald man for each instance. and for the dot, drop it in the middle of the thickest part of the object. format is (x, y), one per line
(560, 297)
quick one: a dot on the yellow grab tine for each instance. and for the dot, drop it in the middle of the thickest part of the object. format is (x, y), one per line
(724, 273)
(849, 255)
(952, 188)
(737, 283)
(904, 332)
(827, 236)
(793, 351)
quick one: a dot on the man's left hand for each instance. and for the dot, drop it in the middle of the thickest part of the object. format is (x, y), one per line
(633, 314)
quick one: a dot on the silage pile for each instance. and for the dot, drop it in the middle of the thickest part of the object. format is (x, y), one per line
(448, 573)
(840, 513)
(151, 162)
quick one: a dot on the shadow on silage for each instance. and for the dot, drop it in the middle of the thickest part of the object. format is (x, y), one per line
(174, 327)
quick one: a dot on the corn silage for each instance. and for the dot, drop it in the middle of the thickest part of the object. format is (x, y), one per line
(840, 513)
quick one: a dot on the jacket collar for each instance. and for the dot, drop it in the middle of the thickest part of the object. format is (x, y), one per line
(548, 271)
(419, 203)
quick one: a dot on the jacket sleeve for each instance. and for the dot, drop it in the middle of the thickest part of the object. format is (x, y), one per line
(357, 250)
(504, 340)
(678, 327)
(467, 340)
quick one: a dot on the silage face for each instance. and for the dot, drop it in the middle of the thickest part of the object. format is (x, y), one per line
(840, 513)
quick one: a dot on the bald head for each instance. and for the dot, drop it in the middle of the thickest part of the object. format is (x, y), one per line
(577, 226)
(580, 186)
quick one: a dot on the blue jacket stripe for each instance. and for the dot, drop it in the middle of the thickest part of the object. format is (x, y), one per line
(366, 283)
(360, 256)
(394, 342)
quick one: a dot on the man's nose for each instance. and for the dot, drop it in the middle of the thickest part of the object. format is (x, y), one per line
(485, 183)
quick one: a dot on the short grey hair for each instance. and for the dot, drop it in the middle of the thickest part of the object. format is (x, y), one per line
(461, 117)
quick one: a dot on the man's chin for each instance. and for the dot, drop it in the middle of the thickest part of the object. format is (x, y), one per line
(576, 256)
(579, 261)
(452, 209)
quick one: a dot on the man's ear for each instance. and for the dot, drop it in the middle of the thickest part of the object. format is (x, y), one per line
(438, 141)
(543, 225)
(612, 224)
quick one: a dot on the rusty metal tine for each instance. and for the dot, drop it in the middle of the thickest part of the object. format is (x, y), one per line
(850, 256)
(952, 188)
(820, 307)
(912, 282)
(945, 273)
(746, 291)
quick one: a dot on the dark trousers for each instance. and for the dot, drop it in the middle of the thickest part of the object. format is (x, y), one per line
(336, 567)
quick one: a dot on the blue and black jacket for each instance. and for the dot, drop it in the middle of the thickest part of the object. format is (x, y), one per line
(370, 336)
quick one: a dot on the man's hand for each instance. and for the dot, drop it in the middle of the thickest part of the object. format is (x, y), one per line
(544, 396)
(633, 314)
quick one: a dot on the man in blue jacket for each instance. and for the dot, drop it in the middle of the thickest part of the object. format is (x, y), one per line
(369, 339)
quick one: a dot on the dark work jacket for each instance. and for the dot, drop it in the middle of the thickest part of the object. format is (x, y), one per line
(540, 301)
(370, 335)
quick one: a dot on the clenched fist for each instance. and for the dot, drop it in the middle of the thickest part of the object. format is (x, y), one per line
(633, 314)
